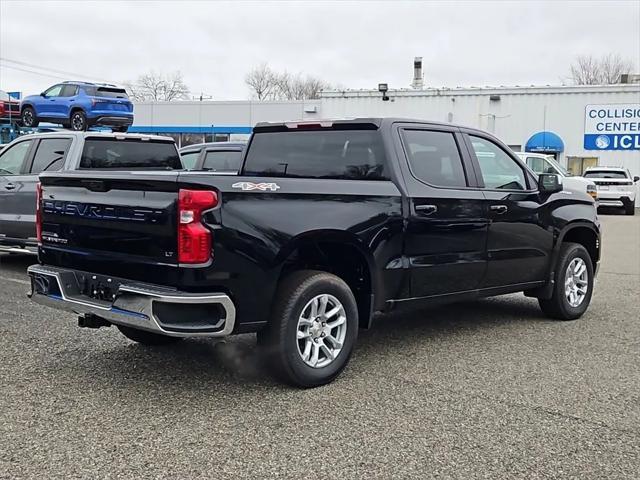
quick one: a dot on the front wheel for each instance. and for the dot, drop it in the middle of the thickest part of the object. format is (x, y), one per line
(312, 330)
(78, 121)
(29, 118)
(147, 338)
(573, 284)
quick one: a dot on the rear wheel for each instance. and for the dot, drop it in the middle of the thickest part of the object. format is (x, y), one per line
(312, 330)
(29, 118)
(630, 208)
(573, 284)
(121, 129)
(78, 121)
(146, 338)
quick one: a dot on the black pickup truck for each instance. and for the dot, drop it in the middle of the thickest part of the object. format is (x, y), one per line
(326, 223)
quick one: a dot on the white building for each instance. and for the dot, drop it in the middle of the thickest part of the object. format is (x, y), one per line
(580, 125)
(562, 121)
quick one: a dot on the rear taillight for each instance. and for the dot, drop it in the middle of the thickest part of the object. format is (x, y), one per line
(194, 239)
(39, 212)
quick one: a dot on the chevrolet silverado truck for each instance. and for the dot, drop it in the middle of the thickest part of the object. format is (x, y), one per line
(325, 224)
(25, 158)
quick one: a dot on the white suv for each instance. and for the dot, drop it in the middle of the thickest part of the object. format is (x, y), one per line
(615, 187)
(540, 163)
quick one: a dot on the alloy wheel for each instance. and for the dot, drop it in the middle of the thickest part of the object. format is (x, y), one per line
(576, 282)
(27, 118)
(321, 330)
(77, 122)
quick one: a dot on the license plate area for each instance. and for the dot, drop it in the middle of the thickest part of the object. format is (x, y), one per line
(97, 287)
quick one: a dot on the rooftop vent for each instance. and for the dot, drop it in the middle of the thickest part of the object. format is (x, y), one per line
(418, 78)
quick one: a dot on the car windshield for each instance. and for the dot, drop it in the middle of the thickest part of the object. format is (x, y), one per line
(605, 174)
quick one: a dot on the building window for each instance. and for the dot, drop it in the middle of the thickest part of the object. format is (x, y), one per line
(187, 139)
(577, 165)
(216, 137)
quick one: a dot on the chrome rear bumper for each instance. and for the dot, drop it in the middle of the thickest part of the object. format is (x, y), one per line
(135, 305)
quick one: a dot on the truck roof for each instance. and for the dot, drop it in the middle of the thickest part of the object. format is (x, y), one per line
(372, 123)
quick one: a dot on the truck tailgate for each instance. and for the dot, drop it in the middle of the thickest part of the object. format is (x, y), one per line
(122, 224)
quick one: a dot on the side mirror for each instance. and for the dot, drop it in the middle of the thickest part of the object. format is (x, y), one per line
(549, 183)
(635, 179)
(42, 94)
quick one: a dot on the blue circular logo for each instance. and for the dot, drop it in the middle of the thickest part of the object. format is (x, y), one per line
(602, 141)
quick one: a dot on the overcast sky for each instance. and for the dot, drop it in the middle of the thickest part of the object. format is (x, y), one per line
(354, 44)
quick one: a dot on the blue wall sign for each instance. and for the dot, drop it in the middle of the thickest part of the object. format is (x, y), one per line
(612, 127)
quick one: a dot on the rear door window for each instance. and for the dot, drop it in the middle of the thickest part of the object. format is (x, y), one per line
(131, 153)
(69, 91)
(434, 158)
(337, 154)
(50, 155)
(222, 161)
(12, 158)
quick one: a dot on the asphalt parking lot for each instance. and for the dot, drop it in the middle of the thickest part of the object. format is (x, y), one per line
(489, 389)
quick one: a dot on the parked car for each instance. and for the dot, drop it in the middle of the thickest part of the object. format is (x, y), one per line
(327, 223)
(615, 187)
(540, 163)
(25, 158)
(78, 106)
(219, 157)
(9, 108)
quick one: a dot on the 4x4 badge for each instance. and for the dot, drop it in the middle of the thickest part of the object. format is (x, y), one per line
(263, 187)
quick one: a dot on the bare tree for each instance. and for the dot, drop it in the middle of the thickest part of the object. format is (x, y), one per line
(261, 80)
(266, 84)
(158, 87)
(606, 70)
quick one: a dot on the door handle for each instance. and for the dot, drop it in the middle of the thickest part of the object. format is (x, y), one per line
(9, 186)
(499, 209)
(426, 209)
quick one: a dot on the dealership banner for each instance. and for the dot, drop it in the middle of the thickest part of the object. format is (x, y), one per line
(614, 126)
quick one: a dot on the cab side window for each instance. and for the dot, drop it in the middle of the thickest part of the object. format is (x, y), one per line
(50, 155)
(499, 170)
(536, 164)
(12, 159)
(434, 158)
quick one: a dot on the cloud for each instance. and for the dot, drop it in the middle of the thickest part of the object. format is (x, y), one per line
(354, 44)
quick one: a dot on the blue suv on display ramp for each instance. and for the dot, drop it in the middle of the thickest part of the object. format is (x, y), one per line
(78, 106)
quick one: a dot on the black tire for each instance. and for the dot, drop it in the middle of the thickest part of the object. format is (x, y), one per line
(558, 305)
(630, 208)
(29, 117)
(121, 129)
(147, 338)
(279, 340)
(78, 121)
